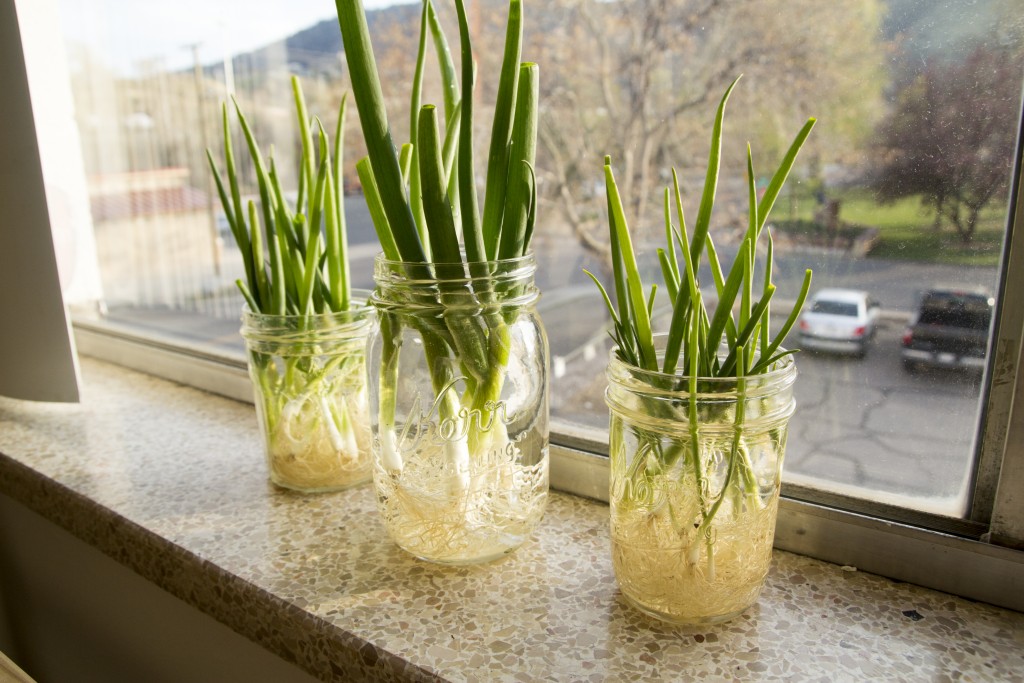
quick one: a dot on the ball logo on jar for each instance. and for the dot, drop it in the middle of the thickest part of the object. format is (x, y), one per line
(446, 420)
(636, 485)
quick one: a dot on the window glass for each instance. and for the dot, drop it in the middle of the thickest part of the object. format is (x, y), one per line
(956, 309)
(830, 307)
(902, 189)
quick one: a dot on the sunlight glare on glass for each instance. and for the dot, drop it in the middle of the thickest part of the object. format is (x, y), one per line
(131, 36)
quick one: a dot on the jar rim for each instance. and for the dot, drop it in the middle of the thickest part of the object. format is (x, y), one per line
(628, 384)
(471, 287)
(780, 368)
(354, 313)
(655, 384)
(525, 260)
(272, 328)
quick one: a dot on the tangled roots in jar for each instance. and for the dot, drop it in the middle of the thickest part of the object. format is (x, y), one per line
(320, 443)
(670, 583)
(439, 514)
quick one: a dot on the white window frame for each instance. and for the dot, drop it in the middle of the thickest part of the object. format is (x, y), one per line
(981, 557)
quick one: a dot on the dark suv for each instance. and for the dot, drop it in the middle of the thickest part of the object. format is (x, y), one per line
(949, 330)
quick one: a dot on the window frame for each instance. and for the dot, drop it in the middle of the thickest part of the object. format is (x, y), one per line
(999, 471)
(980, 557)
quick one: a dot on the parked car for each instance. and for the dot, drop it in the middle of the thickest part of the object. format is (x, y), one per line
(950, 330)
(839, 320)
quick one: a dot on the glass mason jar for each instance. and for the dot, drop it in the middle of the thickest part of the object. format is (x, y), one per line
(309, 381)
(693, 503)
(460, 407)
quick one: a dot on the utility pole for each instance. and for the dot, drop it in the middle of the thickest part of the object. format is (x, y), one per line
(197, 71)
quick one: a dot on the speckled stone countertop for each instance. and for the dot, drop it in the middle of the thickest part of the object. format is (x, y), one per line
(170, 482)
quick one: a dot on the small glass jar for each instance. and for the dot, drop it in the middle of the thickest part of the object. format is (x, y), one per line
(309, 382)
(693, 503)
(459, 397)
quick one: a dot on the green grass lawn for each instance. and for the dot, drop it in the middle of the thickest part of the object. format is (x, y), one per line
(907, 230)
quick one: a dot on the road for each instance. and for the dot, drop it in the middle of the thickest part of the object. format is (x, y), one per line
(868, 424)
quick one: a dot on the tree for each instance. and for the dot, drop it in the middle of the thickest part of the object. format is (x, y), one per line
(949, 138)
(639, 79)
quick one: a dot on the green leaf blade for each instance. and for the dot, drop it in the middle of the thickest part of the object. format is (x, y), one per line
(506, 109)
(472, 232)
(376, 131)
(632, 282)
(707, 201)
(521, 158)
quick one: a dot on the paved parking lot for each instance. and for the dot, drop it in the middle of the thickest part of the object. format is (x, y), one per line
(868, 424)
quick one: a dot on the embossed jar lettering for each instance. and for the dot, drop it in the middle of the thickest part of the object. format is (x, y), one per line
(460, 435)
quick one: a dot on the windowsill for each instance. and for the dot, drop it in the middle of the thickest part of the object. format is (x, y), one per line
(170, 482)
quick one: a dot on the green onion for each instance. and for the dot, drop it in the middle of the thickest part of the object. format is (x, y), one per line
(283, 234)
(373, 119)
(296, 265)
(522, 150)
(693, 344)
(423, 198)
(723, 327)
(498, 167)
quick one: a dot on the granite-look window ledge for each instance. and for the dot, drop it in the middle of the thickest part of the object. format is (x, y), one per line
(169, 481)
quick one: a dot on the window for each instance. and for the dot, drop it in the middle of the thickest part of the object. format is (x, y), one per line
(834, 308)
(957, 309)
(895, 195)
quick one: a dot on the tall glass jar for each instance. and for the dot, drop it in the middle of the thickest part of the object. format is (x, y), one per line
(694, 494)
(309, 381)
(460, 407)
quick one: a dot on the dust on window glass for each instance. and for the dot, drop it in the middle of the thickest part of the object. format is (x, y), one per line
(901, 190)
(834, 308)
